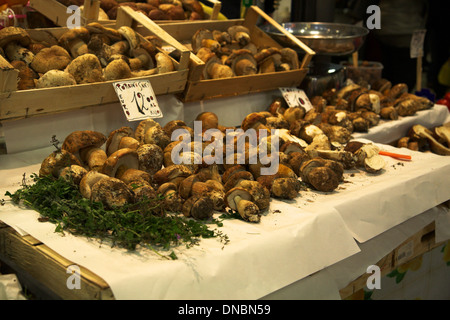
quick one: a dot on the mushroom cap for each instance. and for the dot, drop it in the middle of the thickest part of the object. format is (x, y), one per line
(156, 135)
(252, 119)
(230, 197)
(151, 158)
(73, 173)
(198, 207)
(136, 176)
(119, 161)
(113, 141)
(290, 56)
(171, 173)
(56, 161)
(116, 70)
(97, 28)
(163, 63)
(88, 180)
(242, 62)
(260, 194)
(111, 192)
(285, 188)
(82, 139)
(234, 179)
(55, 57)
(70, 35)
(86, 69)
(199, 36)
(142, 128)
(167, 186)
(55, 78)
(130, 35)
(16, 34)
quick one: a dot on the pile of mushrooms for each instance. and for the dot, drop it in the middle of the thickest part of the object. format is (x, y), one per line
(89, 54)
(420, 138)
(172, 165)
(353, 108)
(232, 53)
(154, 9)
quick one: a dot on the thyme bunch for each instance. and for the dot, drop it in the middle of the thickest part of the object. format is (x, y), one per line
(144, 223)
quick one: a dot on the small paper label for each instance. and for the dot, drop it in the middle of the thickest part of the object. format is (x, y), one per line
(138, 99)
(295, 97)
(417, 40)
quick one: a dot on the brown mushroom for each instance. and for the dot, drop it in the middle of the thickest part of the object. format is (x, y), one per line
(121, 160)
(75, 41)
(150, 158)
(86, 69)
(111, 192)
(56, 161)
(240, 200)
(55, 57)
(55, 78)
(171, 200)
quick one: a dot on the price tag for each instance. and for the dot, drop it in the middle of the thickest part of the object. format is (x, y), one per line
(295, 97)
(417, 39)
(138, 99)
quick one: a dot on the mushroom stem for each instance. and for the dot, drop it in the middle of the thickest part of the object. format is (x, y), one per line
(247, 209)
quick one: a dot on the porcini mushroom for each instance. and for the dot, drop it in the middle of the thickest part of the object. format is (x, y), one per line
(54, 57)
(86, 69)
(121, 160)
(240, 200)
(55, 78)
(75, 41)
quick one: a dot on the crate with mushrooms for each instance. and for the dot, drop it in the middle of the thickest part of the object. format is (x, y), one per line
(235, 57)
(77, 67)
(105, 11)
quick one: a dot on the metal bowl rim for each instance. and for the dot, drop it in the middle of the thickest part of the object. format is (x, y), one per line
(364, 31)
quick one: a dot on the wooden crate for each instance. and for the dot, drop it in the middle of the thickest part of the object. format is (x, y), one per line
(17, 104)
(59, 13)
(416, 245)
(199, 89)
(39, 266)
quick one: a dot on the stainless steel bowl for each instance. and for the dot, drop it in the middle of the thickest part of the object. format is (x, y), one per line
(324, 38)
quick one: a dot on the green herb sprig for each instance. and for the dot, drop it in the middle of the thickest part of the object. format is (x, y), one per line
(144, 223)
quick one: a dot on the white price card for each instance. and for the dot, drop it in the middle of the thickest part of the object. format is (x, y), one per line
(138, 99)
(295, 97)
(416, 47)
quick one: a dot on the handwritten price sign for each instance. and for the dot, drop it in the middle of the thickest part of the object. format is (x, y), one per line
(138, 99)
(296, 98)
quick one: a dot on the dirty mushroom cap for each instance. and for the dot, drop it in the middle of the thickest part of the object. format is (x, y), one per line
(236, 178)
(81, 139)
(111, 192)
(114, 138)
(55, 78)
(121, 160)
(88, 180)
(234, 195)
(56, 161)
(260, 194)
(86, 69)
(170, 173)
(142, 128)
(97, 28)
(117, 69)
(130, 35)
(150, 158)
(54, 57)
(197, 207)
(73, 173)
(136, 176)
(199, 36)
(74, 40)
(16, 34)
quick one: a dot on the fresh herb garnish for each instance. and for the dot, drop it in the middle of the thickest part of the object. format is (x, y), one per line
(143, 223)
